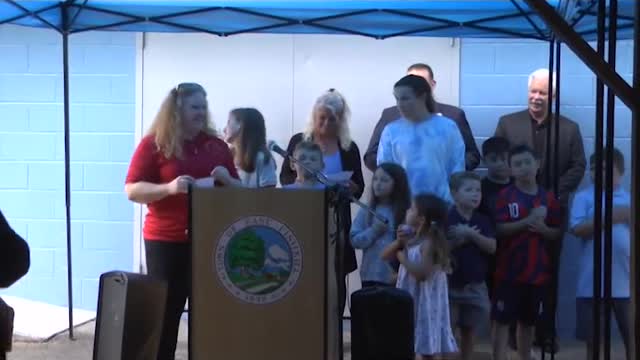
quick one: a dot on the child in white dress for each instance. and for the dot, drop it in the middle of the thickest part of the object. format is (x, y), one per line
(421, 249)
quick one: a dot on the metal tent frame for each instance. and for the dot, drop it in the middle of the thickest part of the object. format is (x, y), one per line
(568, 22)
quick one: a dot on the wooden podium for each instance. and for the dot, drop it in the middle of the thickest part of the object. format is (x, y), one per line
(263, 275)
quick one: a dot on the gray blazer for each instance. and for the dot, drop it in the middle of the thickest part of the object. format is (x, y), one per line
(517, 128)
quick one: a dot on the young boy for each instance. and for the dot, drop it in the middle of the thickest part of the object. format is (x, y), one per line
(495, 154)
(581, 224)
(472, 239)
(309, 154)
(527, 217)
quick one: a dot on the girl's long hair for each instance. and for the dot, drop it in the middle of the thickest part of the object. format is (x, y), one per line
(252, 139)
(434, 211)
(167, 125)
(400, 197)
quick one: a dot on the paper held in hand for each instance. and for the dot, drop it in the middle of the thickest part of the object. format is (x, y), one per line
(206, 182)
(342, 177)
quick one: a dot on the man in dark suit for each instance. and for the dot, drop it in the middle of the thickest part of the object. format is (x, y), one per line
(530, 127)
(472, 155)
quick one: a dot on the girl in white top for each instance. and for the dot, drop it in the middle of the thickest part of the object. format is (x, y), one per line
(421, 249)
(246, 133)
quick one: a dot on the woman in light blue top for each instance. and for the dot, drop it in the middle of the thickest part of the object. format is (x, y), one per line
(428, 146)
(389, 198)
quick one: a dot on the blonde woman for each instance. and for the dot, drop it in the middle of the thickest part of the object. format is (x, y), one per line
(329, 128)
(181, 146)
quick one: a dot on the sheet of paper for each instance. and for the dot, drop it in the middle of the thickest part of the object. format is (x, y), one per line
(206, 182)
(340, 178)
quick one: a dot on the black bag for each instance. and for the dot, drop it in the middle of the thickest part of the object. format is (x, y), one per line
(382, 324)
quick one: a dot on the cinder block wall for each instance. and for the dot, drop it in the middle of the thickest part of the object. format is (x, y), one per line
(32, 197)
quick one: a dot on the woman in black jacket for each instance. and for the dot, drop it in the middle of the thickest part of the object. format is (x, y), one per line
(329, 128)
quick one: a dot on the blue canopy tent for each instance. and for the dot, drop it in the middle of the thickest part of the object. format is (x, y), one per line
(572, 22)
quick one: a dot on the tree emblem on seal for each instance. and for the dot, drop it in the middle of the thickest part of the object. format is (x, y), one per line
(258, 260)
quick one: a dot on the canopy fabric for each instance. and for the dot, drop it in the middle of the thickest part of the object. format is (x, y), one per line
(373, 18)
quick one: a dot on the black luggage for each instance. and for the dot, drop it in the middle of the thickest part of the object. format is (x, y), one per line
(382, 324)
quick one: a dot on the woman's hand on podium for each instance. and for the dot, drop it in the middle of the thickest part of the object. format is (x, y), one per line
(180, 185)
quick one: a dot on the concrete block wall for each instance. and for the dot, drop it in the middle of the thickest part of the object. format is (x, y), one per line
(102, 92)
(493, 82)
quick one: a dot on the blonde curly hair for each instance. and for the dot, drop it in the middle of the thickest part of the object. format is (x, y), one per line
(167, 125)
(335, 102)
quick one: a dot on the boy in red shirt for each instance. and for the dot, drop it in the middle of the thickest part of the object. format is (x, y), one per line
(527, 217)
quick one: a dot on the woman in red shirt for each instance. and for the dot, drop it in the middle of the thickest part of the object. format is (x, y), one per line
(180, 147)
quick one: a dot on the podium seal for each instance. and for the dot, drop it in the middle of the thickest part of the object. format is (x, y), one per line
(258, 260)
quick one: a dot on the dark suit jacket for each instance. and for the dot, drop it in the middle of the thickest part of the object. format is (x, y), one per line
(14, 255)
(350, 162)
(472, 156)
(517, 128)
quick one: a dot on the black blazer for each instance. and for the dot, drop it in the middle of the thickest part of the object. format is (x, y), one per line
(14, 255)
(472, 155)
(350, 162)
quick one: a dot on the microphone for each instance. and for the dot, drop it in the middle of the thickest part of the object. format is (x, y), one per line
(272, 146)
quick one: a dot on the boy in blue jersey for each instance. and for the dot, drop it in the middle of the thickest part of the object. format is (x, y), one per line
(527, 217)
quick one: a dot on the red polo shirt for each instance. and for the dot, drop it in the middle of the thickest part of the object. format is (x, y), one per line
(167, 219)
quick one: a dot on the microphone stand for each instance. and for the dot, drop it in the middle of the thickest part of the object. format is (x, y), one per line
(340, 198)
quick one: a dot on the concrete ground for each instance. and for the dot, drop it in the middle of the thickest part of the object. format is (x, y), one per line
(62, 348)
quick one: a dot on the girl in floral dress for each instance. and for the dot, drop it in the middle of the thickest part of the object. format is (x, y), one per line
(421, 249)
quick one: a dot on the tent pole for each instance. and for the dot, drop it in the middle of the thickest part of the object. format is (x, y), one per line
(556, 176)
(67, 172)
(598, 190)
(547, 180)
(608, 181)
(635, 186)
